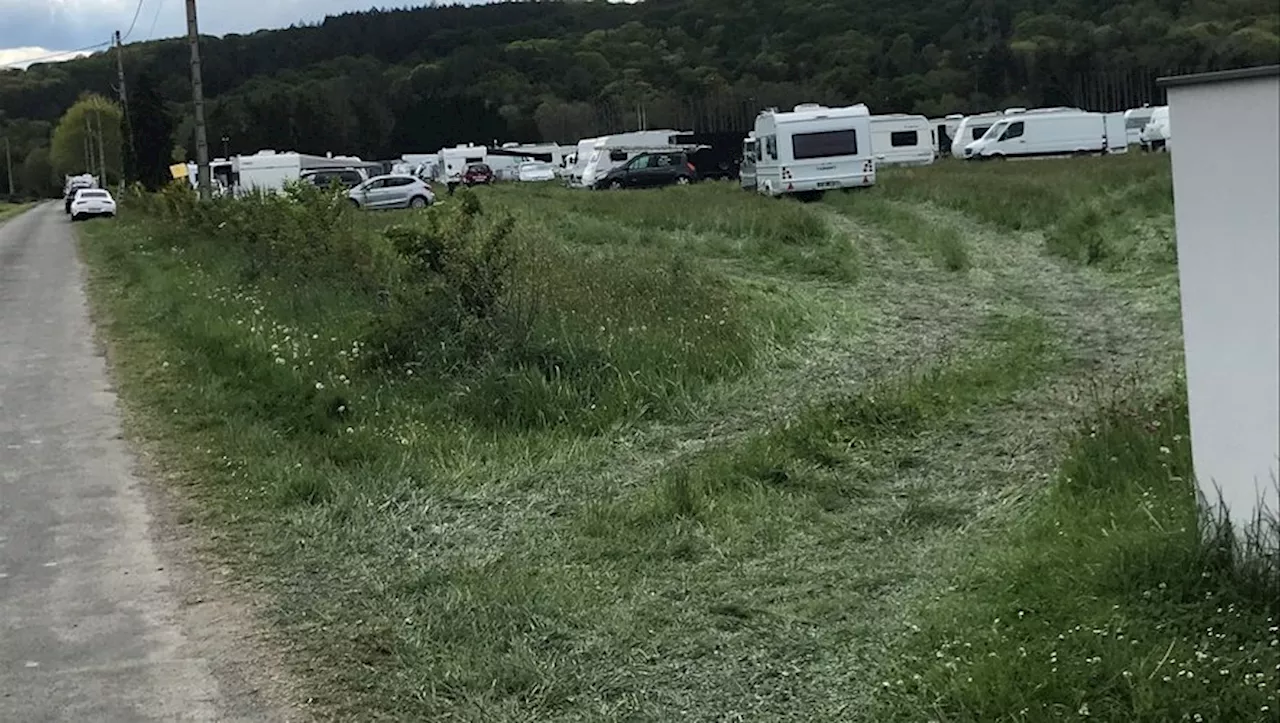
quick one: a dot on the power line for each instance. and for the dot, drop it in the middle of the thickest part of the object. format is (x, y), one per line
(136, 12)
(54, 56)
(152, 32)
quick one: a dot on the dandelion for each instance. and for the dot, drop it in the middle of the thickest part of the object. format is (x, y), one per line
(319, 385)
(1165, 450)
(1084, 710)
(350, 430)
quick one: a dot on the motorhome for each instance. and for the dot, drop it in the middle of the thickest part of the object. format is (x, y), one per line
(973, 127)
(898, 139)
(812, 148)
(270, 170)
(747, 171)
(1157, 134)
(1135, 119)
(1051, 134)
(615, 150)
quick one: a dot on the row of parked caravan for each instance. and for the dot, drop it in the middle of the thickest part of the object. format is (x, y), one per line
(813, 148)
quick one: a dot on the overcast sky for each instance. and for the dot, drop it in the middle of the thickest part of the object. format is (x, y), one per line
(34, 28)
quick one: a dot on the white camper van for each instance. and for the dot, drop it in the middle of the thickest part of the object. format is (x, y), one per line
(1051, 134)
(973, 127)
(898, 139)
(1135, 119)
(747, 169)
(812, 148)
(1157, 135)
(615, 150)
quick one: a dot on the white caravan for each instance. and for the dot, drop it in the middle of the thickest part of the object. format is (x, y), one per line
(453, 162)
(747, 169)
(615, 150)
(898, 139)
(578, 162)
(1051, 134)
(1157, 135)
(973, 127)
(812, 148)
(1135, 119)
(270, 171)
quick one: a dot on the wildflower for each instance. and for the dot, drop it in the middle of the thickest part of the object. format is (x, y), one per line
(1165, 450)
(319, 385)
(1084, 710)
(350, 430)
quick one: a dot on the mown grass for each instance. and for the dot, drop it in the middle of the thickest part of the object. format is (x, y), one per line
(1115, 211)
(437, 439)
(1113, 599)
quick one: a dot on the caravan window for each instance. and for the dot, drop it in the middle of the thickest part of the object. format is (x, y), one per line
(616, 156)
(980, 131)
(1137, 121)
(898, 139)
(771, 147)
(1015, 131)
(824, 144)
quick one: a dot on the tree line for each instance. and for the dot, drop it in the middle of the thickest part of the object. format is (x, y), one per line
(382, 83)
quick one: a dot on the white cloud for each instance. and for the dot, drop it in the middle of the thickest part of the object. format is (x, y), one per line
(22, 57)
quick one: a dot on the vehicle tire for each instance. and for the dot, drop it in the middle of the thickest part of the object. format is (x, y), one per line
(354, 203)
(615, 186)
(683, 180)
(75, 217)
(417, 202)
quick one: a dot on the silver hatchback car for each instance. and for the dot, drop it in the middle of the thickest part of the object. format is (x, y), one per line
(392, 191)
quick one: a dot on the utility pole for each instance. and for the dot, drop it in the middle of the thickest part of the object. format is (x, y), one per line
(88, 146)
(8, 163)
(197, 97)
(124, 96)
(102, 153)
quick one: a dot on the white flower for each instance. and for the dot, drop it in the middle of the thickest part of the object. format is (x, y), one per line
(319, 385)
(1084, 709)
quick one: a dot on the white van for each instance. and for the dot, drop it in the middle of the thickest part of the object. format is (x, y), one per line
(973, 127)
(747, 169)
(615, 150)
(898, 139)
(1051, 134)
(812, 148)
(1157, 135)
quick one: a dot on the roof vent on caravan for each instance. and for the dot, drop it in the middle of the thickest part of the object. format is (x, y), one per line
(808, 106)
(1011, 111)
(955, 116)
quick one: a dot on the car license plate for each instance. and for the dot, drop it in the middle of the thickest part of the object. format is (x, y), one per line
(828, 184)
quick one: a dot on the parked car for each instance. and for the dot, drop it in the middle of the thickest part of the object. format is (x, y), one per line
(345, 178)
(392, 191)
(649, 170)
(72, 189)
(92, 202)
(477, 174)
(532, 172)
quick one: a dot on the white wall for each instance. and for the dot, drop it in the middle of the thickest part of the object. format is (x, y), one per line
(1226, 175)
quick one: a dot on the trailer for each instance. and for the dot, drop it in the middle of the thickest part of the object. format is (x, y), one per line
(1135, 119)
(1051, 134)
(611, 151)
(813, 148)
(271, 171)
(453, 162)
(944, 130)
(898, 139)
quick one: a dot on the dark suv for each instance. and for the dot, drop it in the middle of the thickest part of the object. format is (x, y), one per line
(345, 178)
(477, 174)
(649, 170)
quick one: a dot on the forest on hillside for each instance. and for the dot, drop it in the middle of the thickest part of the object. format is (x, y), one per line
(382, 83)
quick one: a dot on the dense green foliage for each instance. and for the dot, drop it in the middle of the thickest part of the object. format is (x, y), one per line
(384, 83)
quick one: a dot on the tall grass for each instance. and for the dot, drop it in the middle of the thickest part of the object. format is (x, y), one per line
(1091, 210)
(1114, 599)
(944, 243)
(718, 220)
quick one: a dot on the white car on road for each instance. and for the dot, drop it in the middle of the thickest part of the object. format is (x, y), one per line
(533, 171)
(92, 202)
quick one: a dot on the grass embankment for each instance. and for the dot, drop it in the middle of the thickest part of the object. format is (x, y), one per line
(558, 468)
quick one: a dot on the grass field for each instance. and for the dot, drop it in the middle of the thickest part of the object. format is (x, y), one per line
(696, 455)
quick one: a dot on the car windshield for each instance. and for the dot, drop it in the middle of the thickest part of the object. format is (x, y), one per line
(994, 131)
(94, 194)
